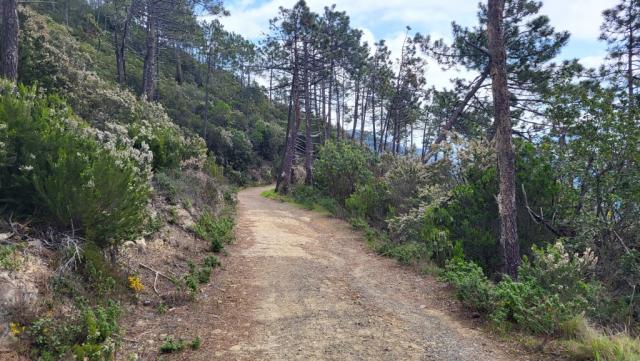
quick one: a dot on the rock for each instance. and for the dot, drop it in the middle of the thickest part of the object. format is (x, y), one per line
(128, 244)
(7, 340)
(5, 236)
(141, 243)
(13, 293)
(184, 218)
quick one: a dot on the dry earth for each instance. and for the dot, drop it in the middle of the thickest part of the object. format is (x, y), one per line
(298, 285)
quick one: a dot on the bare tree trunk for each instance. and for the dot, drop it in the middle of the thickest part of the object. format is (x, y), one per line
(287, 160)
(424, 142)
(324, 111)
(373, 120)
(630, 69)
(10, 33)
(270, 84)
(121, 45)
(148, 80)
(179, 76)
(355, 110)
(308, 147)
(338, 111)
(385, 129)
(66, 12)
(280, 175)
(504, 146)
(206, 95)
(363, 116)
(331, 77)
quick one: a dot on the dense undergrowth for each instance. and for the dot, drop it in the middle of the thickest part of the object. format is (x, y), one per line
(442, 214)
(88, 168)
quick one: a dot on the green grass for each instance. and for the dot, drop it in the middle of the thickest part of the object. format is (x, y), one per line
(307, 204)
(588, 343)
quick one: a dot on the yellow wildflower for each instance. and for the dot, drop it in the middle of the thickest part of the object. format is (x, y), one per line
(16, 329)
(135, 283)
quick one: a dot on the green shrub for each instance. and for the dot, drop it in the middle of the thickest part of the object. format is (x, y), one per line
(9, 259)
(407, 252)
(99, 274)
(552, 289)
(267, 139)
(167, 187)
(471, 285)
(340, 167)
(93, 336)
(211, 261)
(58, 164)
(404, 180)
(171, 346)
(530, 307)
(195, 344)
(216, 231)
(370, 201)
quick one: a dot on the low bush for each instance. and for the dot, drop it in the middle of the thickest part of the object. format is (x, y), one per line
(10, 260)
(310, 198)
(217, 231)
(588, 343)
(91, 335)
(211, 261)
(551, 289)
(404, 180)
(98, 274)
(370, 201)
(171, 346)
(340, 167)
(55, 160)
(472, 287)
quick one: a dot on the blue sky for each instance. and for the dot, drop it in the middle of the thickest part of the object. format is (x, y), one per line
(386, 19)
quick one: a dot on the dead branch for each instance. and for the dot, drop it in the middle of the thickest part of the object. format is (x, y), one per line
(155, 280)
(539, 218)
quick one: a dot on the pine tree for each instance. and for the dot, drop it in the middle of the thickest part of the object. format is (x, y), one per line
(504, 147)
(10, 32)
(620, 30)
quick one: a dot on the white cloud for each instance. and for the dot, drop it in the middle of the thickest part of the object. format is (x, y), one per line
(388, 18)
(593, 61)
(582, 18)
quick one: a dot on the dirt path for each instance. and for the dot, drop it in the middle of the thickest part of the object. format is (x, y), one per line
(301, 286)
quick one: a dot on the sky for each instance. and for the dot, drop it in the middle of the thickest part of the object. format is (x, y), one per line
(387, 19)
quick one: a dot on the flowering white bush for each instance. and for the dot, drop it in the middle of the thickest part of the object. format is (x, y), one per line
(62, 66)
(91, 180)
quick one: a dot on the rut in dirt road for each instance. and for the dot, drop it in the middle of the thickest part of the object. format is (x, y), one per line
(303, 286)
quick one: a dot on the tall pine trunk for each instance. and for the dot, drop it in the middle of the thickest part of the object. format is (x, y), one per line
(148, 76)
(308, 147)
(338, 120)
(363, 116)
(120, 45)
(504, 147)
(355, 110)
(179, 76)
(10, 32)
(289, 152)
(373, 119)
(330, 99)
(630, 49)
(206, 94)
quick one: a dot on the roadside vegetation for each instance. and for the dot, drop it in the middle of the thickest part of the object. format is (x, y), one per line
(127, 127)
